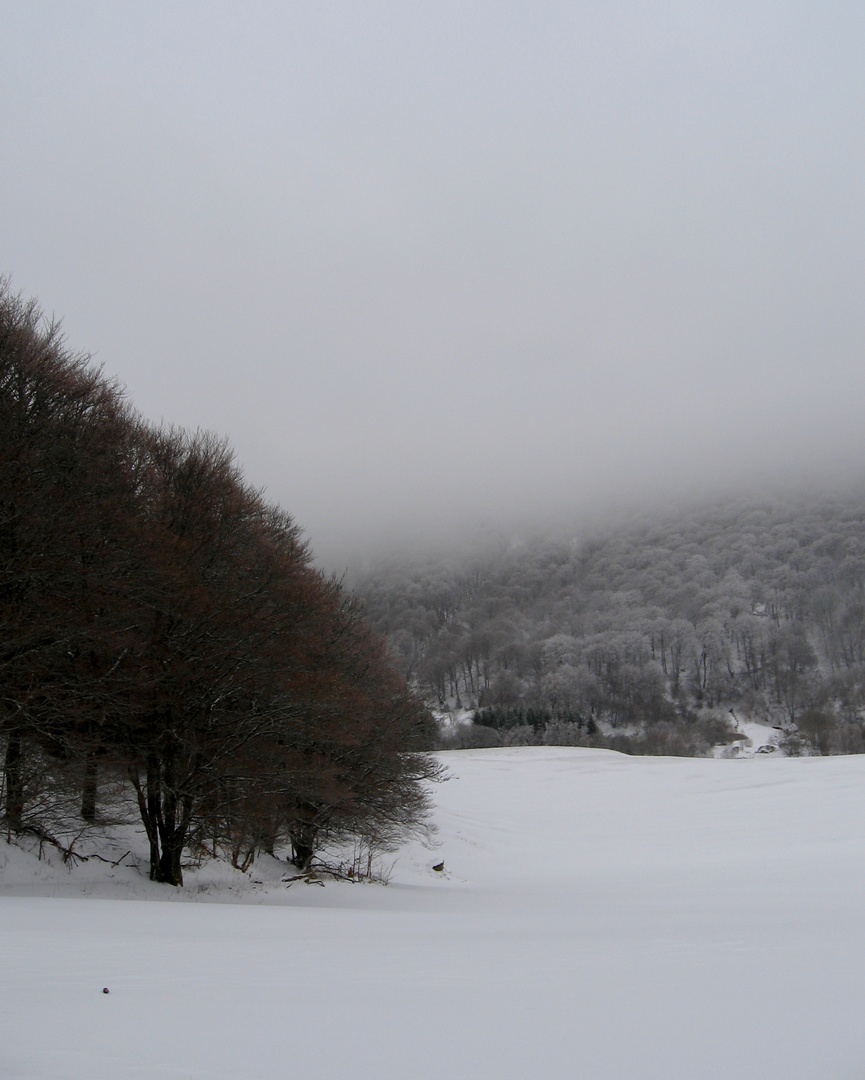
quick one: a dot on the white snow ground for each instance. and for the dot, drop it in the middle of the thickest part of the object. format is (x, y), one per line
(599, 916)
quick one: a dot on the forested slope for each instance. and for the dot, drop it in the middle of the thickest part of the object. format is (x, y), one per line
(647, 635)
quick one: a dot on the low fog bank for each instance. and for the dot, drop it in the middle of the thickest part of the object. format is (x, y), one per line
(417, 527)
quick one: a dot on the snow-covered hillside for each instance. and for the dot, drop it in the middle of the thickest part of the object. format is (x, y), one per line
(598, 916)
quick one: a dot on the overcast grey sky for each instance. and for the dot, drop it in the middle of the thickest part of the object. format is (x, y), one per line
(429, 263)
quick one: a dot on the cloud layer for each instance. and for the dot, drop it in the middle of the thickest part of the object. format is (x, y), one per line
(434, 263)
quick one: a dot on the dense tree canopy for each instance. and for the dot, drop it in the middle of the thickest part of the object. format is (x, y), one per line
(645, 637)
(162, 622)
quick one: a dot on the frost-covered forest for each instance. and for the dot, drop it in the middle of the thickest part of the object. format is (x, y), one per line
(656, 636)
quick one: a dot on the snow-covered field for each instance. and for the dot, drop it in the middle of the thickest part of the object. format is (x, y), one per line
(599, 917)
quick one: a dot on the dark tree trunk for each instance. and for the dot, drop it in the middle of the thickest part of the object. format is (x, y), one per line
(14, 773)
(88, 792)
(172, 833)
(148, 807)
(303, 852)
(303, 836)
(166, 817)
(268, 838)
(168, 870)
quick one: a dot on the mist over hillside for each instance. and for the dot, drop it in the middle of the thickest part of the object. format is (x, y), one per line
(654, 633)
(432, 265)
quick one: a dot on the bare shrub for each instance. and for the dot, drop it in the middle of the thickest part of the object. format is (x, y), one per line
(521, 735)
(471, 737)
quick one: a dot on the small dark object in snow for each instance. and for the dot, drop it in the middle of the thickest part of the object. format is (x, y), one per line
(439, 866)
(104, 989)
